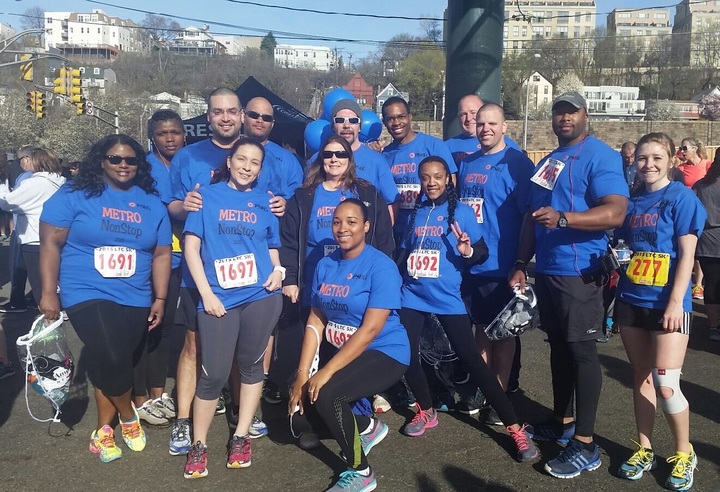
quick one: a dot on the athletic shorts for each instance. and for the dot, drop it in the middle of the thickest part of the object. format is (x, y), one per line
(648, 319)
(187, 308)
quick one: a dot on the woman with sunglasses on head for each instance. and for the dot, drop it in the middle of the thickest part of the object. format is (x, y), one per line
(231, 249)
(443, 240)
(653, 307)
(355, 298)
(105, 237)
(165, 130)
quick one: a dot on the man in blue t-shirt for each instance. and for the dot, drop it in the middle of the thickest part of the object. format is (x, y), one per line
(577, 193)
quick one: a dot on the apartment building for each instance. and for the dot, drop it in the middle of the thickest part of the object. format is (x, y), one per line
(695, 32)
(648, 25)
(526, 20)
(300, 56)
(236, 45)
(614, 103)
(6, 31)
(196, 41)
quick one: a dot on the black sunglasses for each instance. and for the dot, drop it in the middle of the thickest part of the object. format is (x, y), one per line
(267, 118)
(117, 159)
(352, 120)
(340, 154)
(684, 148)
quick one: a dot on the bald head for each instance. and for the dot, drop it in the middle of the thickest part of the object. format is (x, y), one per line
(628, 153)
(491, 128)
(255, 118)
(467, 108)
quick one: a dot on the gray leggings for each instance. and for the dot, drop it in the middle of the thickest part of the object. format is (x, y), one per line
(244, 331)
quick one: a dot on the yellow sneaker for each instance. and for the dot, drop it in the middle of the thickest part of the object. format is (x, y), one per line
(133, 433)
(102, 442)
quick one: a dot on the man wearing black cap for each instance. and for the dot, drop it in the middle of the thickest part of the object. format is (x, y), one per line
(577, 193)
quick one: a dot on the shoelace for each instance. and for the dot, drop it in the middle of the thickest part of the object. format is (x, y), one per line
(347, 477)
(107, 441)
(241, 445)
(573, 447)
(195, 454)
(179, 432)
(642, 456)
(421, 415)
(132, 429)
(520, 438)
(681, 464)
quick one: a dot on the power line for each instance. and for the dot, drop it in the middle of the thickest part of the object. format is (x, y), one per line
(326, 12)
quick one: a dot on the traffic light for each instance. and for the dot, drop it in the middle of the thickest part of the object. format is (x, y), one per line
(60, 82)
(73, 85)
(26, 69)
(30, 101)
(39, 104)
(80, 107)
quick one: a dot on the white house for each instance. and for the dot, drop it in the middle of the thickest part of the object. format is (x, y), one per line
(299, 56)
(614, 102)
(389, 91)
(541, 92)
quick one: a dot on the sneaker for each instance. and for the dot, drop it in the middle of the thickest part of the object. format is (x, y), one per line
(551, 431)
(102, 442)
(573, 460)
(196, 463)
(375, 436)
(698, 292)
(352, 481)
(642, 460)
(308, 441)
(271, 392)
(258, 428)
(239, 452)
(6, 370)
(166, 405)
(220, 409)
(713, 334)
(423, 419)
(492, 418)
(513, 386)
(380, 404)
(8, 307)
(150, 413)
(180, 440)
(681, 477)
(526, 449)
(471, 405)
(133, 433)
(444, 402)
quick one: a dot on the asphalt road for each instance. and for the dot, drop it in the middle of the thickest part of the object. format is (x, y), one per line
(459, 455)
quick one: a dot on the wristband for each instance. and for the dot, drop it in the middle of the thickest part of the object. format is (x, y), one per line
(470, 255)
(280, 269)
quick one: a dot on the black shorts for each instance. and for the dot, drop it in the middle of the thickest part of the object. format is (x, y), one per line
(484, 297)
(648, 319)
(571, 308)
(187, 308)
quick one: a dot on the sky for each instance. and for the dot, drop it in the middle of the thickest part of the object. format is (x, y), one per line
(234, 17)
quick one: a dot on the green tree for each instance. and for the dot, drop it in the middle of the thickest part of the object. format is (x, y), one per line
(268, 44)
(421, 76)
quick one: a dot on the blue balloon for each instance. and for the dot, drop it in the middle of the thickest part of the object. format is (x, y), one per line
(371, 126)
(335, 95)
(316, 132)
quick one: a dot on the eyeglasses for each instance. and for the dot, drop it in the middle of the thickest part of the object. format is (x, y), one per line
(267, 118)
(117, 159)
(339, 154)
(220, 112)
(390, 119)
(684, 148)
(341, 121)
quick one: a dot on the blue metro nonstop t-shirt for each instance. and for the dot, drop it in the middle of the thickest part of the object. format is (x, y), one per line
(496, 186)
(404, 160)
(463, 145)
(110, 245)
(237, 231)
(653, 223)
(280, 173)
(161, 174)
(583, 174)
(434, 284)
(344, 289)
(195, 164)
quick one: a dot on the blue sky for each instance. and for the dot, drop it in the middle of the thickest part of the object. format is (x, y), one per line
(241, 16)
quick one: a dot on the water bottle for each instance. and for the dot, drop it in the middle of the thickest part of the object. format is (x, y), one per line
(623, 252)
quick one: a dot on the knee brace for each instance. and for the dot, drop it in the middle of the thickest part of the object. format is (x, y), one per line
(669, 378)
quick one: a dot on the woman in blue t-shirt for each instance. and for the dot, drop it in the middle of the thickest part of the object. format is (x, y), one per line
(442, 240)
(355, 298)
(653, 306)
(231, 249)
(106, 235)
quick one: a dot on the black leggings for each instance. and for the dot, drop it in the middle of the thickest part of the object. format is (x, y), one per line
(711, 271)
(458, 329)
(369, 374)
(151, 370)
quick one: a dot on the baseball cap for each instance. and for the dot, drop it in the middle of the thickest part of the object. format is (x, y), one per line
(346, 104)
(574, 98)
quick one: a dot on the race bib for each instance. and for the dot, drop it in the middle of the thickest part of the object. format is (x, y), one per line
(547, 175)
(115, 261)
(408, 194)
(648, 268)
(477, 205)
(424, 263)
(235, 272)
(329, 248)
(338, 334)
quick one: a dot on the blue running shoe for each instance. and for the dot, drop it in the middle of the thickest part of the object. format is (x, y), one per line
(642, 460)
(574, 460)
(681, 477)
(550, 431)
(371, 439)
(352, 481)
(180, 442)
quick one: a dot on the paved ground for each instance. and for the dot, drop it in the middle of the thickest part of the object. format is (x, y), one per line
(459, 455)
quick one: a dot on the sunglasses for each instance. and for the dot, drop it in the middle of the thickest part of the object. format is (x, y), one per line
(340, 120)
(684, 148)
(339, 154)
(117, 159)
(267, 118)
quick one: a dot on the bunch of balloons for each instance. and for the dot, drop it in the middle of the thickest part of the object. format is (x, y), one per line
(319, 130)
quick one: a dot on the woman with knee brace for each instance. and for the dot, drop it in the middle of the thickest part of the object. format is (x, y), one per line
(653, 306)
(355, 298)
(231, 248)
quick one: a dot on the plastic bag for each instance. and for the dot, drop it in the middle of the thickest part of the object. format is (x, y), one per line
(518, 316)
(434, 344)
(49, 365)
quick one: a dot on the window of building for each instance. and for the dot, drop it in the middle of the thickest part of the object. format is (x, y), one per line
(546, 90)
(563, 16)
(548, 31)
(537, 31)
(577, 16)
(524, 31)
(82, 69)
(93, 18)
(96, 71)
(576, 32)
(516, 31)
(505, 32)
(562, 31)
(507, 15)
(545, 100)
(539, 17)
(660, 16)
(624, 15)
(643, 15)
(515, 45)
(48, 20)
(98, 30)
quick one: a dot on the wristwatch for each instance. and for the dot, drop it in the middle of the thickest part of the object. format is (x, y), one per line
(562, 220)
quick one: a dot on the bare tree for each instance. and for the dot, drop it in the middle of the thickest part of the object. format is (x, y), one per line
(160, 30)
(432, 30)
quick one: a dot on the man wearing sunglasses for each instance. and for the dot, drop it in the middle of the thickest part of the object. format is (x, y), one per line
(280, 171)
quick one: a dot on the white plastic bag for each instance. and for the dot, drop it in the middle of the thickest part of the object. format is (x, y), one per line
(518, 316)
